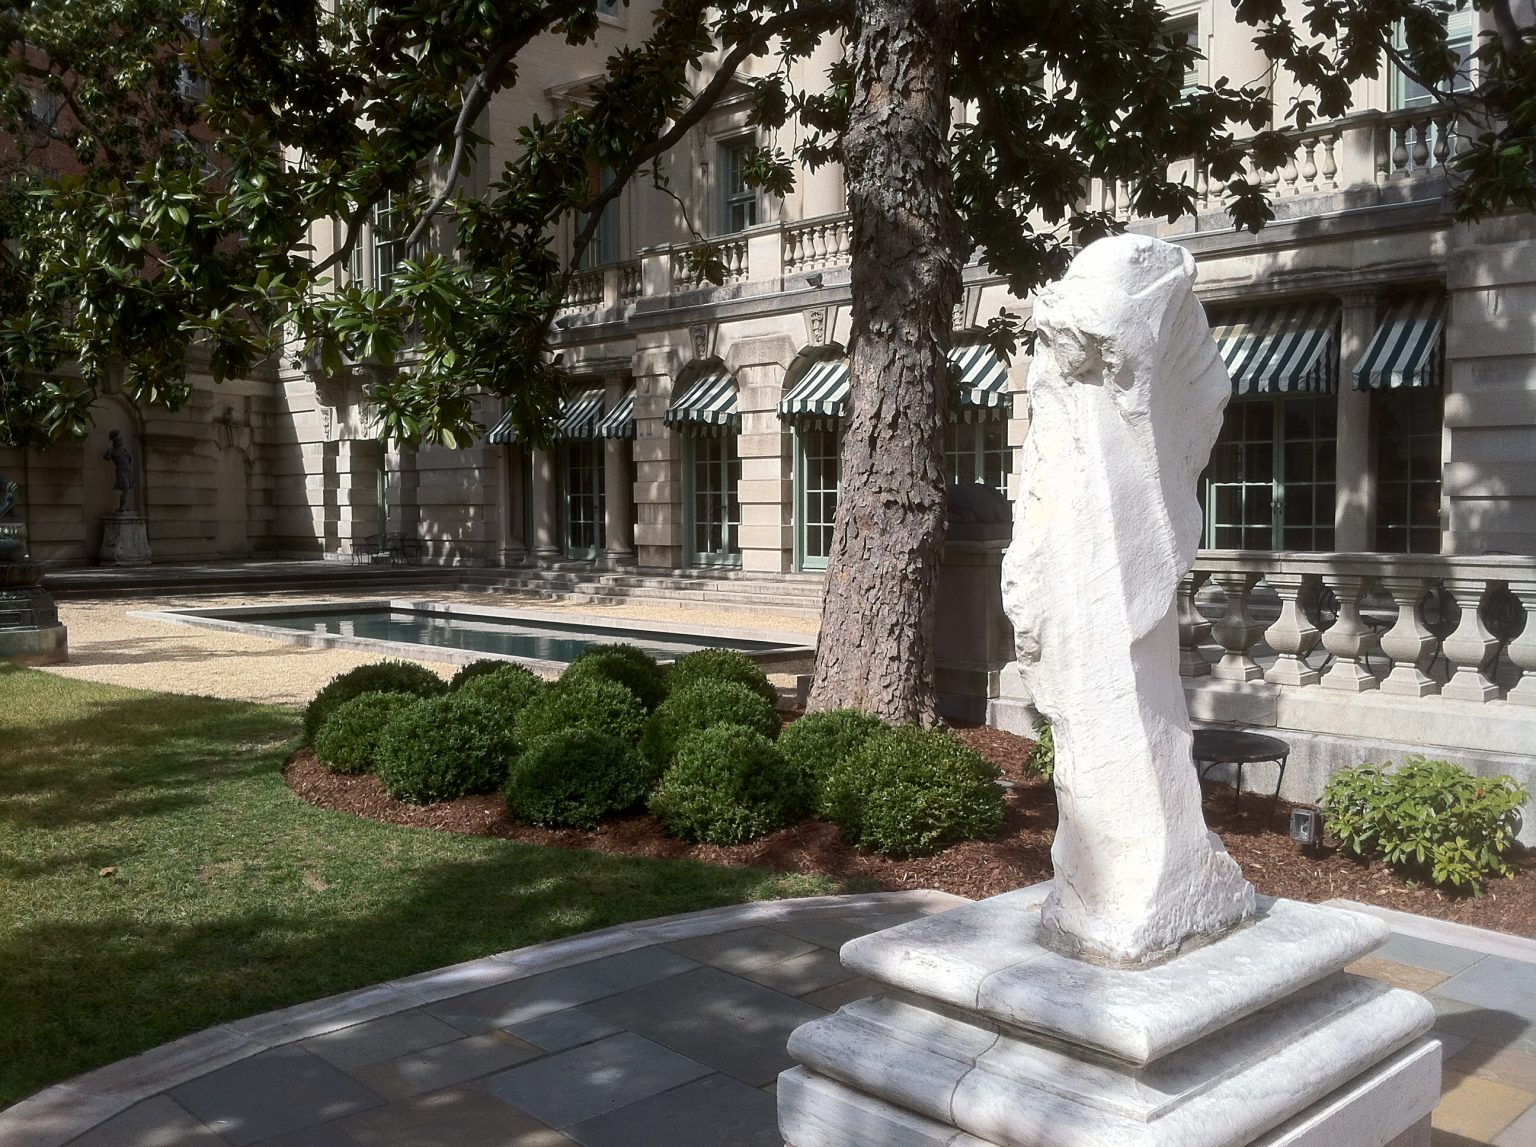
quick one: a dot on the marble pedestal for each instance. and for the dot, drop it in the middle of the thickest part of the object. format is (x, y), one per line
(983, 1038)
(124, 539)
(30, 633)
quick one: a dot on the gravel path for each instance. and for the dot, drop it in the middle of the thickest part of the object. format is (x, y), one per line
(107, 644)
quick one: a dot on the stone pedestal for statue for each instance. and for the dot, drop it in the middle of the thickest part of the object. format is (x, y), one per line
(30, 633)
(124, 539)
(1145, 997)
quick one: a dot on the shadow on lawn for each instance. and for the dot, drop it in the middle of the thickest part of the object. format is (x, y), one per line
(133, 756)
(79, 995)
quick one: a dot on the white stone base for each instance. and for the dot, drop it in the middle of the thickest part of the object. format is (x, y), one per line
(983, 1037)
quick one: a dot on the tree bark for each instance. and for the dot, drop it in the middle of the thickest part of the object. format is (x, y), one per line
(876, 650)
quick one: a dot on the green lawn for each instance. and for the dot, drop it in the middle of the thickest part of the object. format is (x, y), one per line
(231, 896)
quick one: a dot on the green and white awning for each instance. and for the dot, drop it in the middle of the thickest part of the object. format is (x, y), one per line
(620, 421)
(579, 415)
(709, 401)
(1283, 348)
(503, 433)
(822, 392)
(983, 375)
(1405, 351)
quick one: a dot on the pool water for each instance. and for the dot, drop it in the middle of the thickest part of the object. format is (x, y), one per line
(480, 633)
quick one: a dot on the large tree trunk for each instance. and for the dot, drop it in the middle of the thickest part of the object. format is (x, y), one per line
(876, 649)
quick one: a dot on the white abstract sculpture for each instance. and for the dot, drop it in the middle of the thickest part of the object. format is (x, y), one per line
(1127, 392)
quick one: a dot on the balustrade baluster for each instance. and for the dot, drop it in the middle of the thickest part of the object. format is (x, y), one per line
(1400, 150)
(1236, 631)
(1442, 144)
(1522, 649)
(1309, 165)
(1421, 145)
(1193, 628)
(1292, 636)
(1471, 643)
(1409, 643)
(1349, 639)
(1330, 165)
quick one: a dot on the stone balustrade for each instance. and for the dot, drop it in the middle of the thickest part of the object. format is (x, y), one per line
(731, 252)
(1352, 623)
(817, 243)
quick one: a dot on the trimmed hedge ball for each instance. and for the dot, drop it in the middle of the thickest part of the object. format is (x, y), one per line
(698, 706)
(589, 703)
(625, 665)
(575, 777)
(348, 740)
(728, 784)
(819, 742)
(907, 791)
(475, 669)
(440, 748)
(379, 677)
(509, 687)
(720, 665)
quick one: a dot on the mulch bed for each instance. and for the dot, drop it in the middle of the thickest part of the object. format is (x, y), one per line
(1020, 855)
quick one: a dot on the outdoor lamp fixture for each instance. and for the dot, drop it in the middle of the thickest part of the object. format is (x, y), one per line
(1307, 825)
(813, 280)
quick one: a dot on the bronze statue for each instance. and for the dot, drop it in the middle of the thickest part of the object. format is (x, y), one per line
(122, 461)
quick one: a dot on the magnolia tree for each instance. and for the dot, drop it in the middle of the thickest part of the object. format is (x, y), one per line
(164, 171)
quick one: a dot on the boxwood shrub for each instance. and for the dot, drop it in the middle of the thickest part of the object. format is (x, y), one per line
(574, 777)
(444, 747)
(379, 677)
(509, 687)
(348, 740)
(700, 705)
(728, 784)
(815, 744)
(633, 668)
(475, 669)
(1428, 818)
(586, 703)
(720, 665)
(908, 791)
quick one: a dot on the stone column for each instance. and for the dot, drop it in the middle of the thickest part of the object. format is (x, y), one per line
(1354, 508)
(1236, 631)
(1522, 650)
(1409, 643)
(1469, 646)
(618, 494)
(767, 469)
(1293, 635)
(1349, 639)
(1193, 628)
(546, 508)
(658, 454)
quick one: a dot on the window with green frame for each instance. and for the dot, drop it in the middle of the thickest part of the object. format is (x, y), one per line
(581, 466)
(738, 201)
(1405, 436)
(818, 478)
(1409, 93)
(603, 247)
(1271, 481)
(978, 451)
(712, 522)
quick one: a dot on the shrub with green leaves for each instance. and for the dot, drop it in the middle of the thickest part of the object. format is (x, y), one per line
(575, 777)
(1042, 758)
(728, 784)
(476, 669)
(1428, 818)
(720, 665)
(509, 687)
(633, 668)
(440, 748)
(379, 677)
(348, 740)
(818, 742)
(908, 791)
(586, 703)
(700, 705)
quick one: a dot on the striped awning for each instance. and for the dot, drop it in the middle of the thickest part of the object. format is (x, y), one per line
(620, 421)
(822, 392)
(503, 433)
(1405, 350)
(1284, 348)
(983, 375)
(709, 401)
(579, 415)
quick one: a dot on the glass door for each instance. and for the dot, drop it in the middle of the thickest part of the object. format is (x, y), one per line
(1270, 482)
(713, 507)
(582, 465)
(818, 476)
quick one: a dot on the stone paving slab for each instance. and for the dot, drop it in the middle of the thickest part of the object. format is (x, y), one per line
(666, 1032)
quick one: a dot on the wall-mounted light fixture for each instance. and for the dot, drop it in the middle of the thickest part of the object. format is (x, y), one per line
(814, 279)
